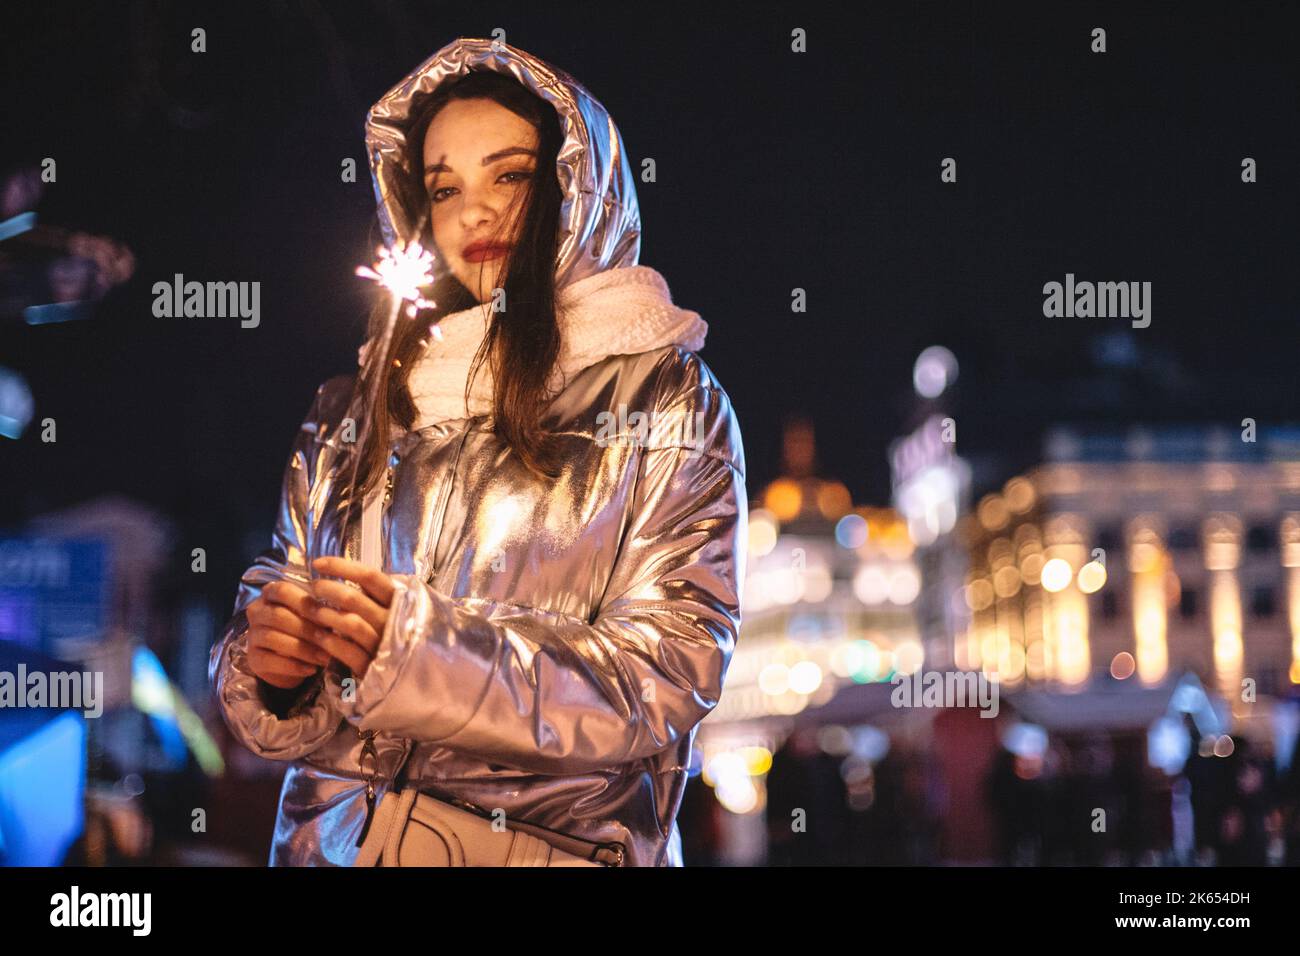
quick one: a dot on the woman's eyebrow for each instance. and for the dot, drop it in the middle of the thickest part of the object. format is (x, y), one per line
(488, 159)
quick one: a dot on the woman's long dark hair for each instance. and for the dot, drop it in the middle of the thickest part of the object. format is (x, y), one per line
(522, 341)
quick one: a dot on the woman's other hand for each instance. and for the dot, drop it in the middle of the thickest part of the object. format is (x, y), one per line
(279, 651)
(350, 619)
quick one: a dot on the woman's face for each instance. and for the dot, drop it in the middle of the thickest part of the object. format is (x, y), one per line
(479, 158)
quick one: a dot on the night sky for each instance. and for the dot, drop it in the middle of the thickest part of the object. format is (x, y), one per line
(776, 170)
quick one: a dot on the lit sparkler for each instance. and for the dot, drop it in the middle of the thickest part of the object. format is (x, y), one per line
(404, 270)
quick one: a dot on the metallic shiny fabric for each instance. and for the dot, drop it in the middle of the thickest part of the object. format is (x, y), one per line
(552, 646)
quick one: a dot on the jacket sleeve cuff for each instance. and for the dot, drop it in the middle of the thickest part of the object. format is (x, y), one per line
(441, 684)
(287, 701)
(272, 723)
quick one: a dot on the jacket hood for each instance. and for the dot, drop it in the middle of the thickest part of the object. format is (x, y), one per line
(600, 221)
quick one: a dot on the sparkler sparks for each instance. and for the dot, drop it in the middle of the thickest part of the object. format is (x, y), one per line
(403, 271)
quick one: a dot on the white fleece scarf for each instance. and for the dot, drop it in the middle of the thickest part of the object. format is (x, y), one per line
(615, 312)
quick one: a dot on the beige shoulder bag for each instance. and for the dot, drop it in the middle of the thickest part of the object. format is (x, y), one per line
(415, 829)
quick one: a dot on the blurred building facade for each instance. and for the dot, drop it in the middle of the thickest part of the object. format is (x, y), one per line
(1141, 554)
(829, 599)
(1134, 596)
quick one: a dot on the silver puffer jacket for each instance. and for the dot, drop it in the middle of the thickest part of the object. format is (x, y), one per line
(552, 646)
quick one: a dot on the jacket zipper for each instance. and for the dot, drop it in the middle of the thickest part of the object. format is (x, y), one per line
(368, 747)
(442, 505)
(372, 549)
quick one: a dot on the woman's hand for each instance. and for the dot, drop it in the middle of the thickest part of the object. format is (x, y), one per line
(279, 649)
(350, 619)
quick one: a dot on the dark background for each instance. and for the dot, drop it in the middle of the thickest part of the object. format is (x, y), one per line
(776, 170)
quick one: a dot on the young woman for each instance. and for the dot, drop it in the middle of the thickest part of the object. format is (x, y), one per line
(555, 491)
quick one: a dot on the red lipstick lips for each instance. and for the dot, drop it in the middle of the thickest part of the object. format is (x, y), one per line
(482, 251)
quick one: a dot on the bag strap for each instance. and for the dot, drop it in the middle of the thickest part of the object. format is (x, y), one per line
(377, 837)
(403, 813)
